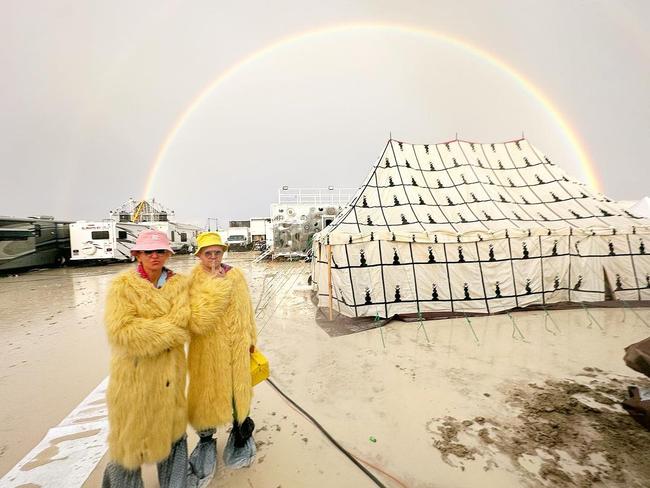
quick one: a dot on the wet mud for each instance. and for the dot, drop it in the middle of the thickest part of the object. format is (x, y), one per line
(574, 428)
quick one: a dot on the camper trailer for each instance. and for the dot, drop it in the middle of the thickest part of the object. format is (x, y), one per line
(103, 241)
(32, 242)
(181, 236)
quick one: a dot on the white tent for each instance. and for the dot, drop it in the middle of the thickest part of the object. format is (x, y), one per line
(469, 227)
(641, 208)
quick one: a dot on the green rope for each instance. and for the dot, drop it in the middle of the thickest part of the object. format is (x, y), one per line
(469, 322)
(592, 319)
(635, 313)
(381, 327)
(557, 327)
(422, 326)
(515, 328)
(546, 325)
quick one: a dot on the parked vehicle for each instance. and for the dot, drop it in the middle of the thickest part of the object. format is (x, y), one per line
(32, 242)
(104, 240)
(181, 236)
(238, 241)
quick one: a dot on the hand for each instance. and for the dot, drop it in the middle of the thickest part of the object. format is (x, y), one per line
(219, 272)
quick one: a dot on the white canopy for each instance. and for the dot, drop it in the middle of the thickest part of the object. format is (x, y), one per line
(469, 227)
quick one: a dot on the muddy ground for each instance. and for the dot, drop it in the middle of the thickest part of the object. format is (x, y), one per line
(567, 432)
(446, 403)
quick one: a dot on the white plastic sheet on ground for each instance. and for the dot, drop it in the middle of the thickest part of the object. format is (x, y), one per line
(70, 451)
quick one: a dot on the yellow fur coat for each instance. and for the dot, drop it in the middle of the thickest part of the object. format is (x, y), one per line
(147, 330)
(223, 329)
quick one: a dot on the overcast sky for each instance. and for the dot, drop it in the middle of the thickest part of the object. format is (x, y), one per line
(90, 90)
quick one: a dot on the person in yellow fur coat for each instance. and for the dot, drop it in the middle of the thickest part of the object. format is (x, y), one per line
(147, 314)
(223, 335)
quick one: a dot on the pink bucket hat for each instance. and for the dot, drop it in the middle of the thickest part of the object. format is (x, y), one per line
(151, 240)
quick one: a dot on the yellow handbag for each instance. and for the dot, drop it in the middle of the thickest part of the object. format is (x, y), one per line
(259, 367)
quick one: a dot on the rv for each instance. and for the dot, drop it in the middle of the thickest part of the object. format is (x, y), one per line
(32, 242)
(181, 236)
(103, 241)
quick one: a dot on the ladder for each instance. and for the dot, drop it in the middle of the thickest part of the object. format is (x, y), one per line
(265, 254)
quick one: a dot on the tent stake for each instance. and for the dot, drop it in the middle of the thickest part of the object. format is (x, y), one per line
(329, 277)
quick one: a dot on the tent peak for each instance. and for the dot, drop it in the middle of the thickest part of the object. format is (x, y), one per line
(457, 139)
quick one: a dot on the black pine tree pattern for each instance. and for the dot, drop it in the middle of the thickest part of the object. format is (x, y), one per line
(578, 284)
(612, 252)
(432, 258)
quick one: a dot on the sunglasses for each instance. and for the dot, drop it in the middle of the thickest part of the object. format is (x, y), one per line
(212, 254)
(157, 251)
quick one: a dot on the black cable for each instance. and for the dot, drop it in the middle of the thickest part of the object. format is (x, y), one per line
(326, 434)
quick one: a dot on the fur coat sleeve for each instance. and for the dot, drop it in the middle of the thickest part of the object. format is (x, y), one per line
(159, 324)
(209, 299)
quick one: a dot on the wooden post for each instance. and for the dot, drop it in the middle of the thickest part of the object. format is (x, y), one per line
(329, 277)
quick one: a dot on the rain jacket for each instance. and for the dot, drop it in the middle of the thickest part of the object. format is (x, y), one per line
(147, 330)
(223, 329)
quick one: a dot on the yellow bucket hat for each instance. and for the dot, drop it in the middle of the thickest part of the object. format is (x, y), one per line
(205, 239)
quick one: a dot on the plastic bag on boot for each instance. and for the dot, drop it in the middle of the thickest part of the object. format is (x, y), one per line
(240, 448)
(203, 461)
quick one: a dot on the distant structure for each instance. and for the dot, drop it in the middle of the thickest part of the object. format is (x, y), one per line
(140, 211)
(465, 227)
(301, 212)
(112, 239)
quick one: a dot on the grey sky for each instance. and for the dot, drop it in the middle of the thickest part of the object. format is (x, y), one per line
(89, 91)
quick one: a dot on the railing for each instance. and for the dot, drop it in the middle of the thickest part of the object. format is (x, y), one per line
(323, 196)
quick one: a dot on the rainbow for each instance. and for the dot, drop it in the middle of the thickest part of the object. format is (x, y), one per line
(586, 164)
